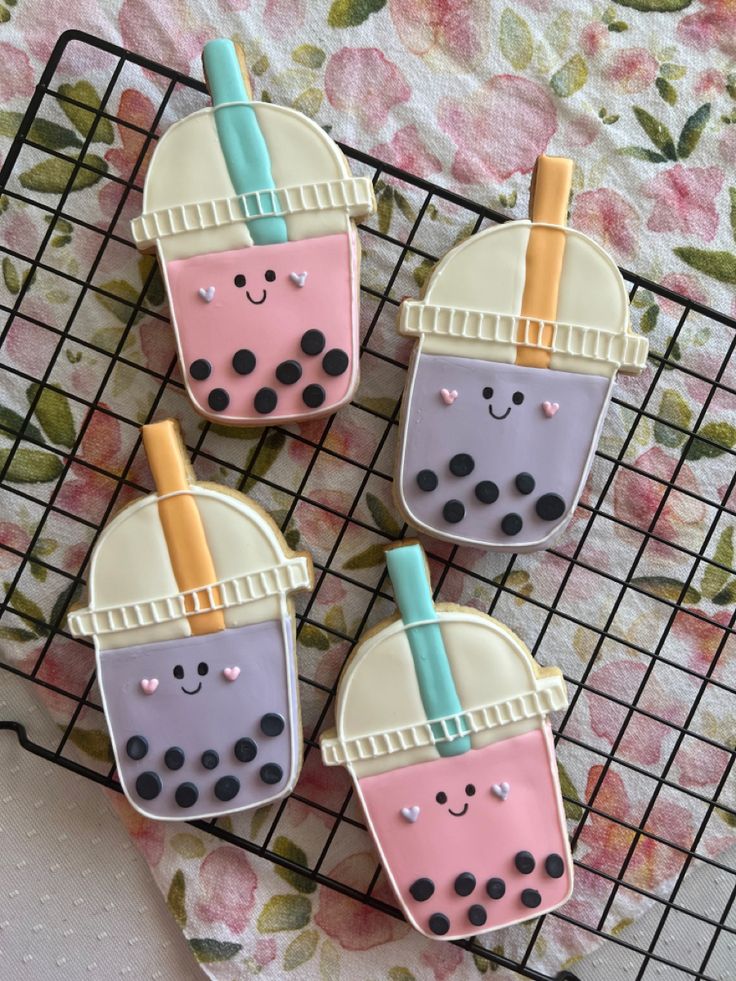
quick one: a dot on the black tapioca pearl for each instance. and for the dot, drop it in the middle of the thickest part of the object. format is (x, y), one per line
(244, 361)
(226, 788)
(525, 483)
(136, 747)
(271, 773)
(265, 401)
(148, 785)
(524, 862)
(496, 888)
(245, 749)
(439, 924)
(210, 759)
(477, 915)
(427, 480)
(465, 883)
(531, 898)
(335, 362)
(462, 464)
(218, 400)
(486, 492)
(453, 511)
(289, 372)
(422, 889)
(313, 342)
(313, 396)
(511, 524)
(186, 794)
(554, 866)
(174, 758)
(550, 507)
(272, 724)
(200, 369)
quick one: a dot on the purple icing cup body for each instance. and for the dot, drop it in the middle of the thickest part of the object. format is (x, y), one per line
(204, 725)
(496, 454)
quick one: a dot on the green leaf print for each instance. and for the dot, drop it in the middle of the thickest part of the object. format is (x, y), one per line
(714, 578)
(673, 408)
(308, 102)
(16, 634)
(732, 213)
(30, 466)
(641, 153)
(53, 412)
(49, 135)
(284, 913)
(666, 588)
(83, 119)
(350, 13)
(692, 131)
(719, 265)
(723, 434)
(569, 79)
(10, 276)
(385, 521)
(373, 555)
(311, 636)
(65, 598)
(52, 176)
(20, 602)
(385, 204)
(188, 845)
(209, 951)
(400, 974)
(666, 90)
(286, 848)
(516, 41)
(308, 55)
(657, 132)
(649, 319)
(727, 596)
(176, 898)
(573, 810)
(93, 742)
(655, 6)
(301, 949)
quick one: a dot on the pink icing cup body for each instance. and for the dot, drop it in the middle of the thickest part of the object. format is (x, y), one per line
(268, 333)
(474, 842)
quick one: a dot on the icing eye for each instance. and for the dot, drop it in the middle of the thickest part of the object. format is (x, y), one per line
(517, 398)
(202, 668)
(270, 275)
(239, 281)
(179, 672)
(487, 393)
(470, 790)
(441, 797)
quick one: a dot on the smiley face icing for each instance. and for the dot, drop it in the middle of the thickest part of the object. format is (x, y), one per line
(454, 762)
(520, 334)
(250, 208)
(190, 610)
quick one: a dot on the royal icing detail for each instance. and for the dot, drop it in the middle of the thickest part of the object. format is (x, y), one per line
(448, 397)
(466, 701)
(521, 318)
(254, 200)
(193, 584)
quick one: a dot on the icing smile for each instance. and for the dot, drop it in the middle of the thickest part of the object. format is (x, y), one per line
(517, 398)
(441, 798)
(459, 814)
(193, 691)
(490, 409)
(256, 302)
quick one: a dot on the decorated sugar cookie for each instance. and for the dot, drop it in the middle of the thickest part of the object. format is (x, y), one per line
(190, 610)
(249, 207)
(454, 762)
(520, 334)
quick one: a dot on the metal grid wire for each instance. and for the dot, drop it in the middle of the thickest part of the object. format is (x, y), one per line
(648, 954)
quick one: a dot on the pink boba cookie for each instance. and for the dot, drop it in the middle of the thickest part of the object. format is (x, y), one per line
(454, 762)
(520, 334)
(249, 207)
(191, 613)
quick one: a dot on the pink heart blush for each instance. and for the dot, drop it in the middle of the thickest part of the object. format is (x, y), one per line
(149, 685)
(550, 408)
(448, 397)
(231, 673)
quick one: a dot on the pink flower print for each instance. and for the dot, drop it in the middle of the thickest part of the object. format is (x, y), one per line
(698, 764)
(727, 147)
(148, 836)
(499, 130)
(15, 537)
(170, 31)
(712, 26)
(579, 130)
(227, 889)
(700, 637)
(18, 77)
(138, 109)
(441, 30)
(709, 83)
(593, 38)
(283, 17)
(685, 200)
(265, 951)
(407, 150)
(608, 218)
(631, 70)
(362, 81)
(442, 960)
(687, 285)
(352, 924)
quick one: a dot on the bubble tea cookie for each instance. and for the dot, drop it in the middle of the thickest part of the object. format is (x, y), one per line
(249, 207)
(191, 613)
(454, 762)
(520, 333)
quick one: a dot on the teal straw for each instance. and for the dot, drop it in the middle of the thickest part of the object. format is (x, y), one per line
(241, 140)
(413, 594)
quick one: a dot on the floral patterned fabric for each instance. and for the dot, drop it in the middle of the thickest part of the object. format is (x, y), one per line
(642, 93)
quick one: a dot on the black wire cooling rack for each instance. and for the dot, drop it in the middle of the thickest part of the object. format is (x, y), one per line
(547, 620)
